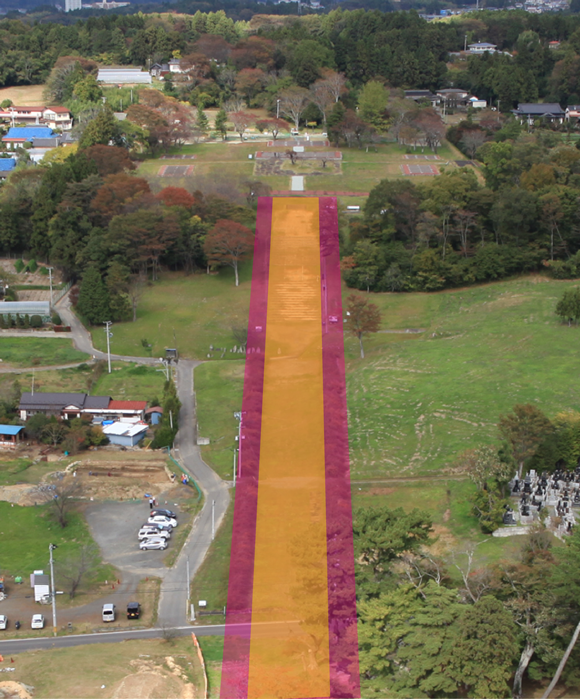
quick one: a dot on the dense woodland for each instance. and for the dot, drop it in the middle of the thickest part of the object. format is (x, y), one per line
(398, 47)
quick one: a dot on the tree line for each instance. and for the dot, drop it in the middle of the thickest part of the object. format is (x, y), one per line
(454, 229)
(398, 48)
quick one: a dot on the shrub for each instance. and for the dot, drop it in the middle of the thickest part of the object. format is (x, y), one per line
(10, 294)
(27, 321)
(56, 320)
(19, 266)
(32, 266)
(35, 322)
(44, 270)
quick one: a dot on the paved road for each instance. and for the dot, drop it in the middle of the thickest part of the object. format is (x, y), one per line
(174, 592)
(20, 645)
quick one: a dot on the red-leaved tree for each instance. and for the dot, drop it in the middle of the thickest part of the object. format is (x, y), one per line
(228, 243)
(363, 317)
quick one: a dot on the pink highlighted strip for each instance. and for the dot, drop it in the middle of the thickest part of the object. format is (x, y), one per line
(235, 664)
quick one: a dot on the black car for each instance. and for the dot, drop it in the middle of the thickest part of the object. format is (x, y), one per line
(165, 513)
(133, 610)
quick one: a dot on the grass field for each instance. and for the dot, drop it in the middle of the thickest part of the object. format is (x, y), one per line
(28, 95)
(219, 165)
(86, 672)
(13, 471)
(190, 312)
(131, 382)
(419, 399)
(211, 580)
(38, 351)
(219, 387)
(27, 531)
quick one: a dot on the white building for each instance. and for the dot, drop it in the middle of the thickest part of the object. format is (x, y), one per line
(123, 76)
(72, 5)
(482, 47)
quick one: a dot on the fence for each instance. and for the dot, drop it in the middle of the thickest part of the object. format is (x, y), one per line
(59, 294)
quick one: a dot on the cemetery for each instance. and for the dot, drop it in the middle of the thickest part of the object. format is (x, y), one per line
(553, 497)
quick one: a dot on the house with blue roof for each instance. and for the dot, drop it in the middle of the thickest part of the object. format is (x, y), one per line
(6, 166)
(19, 135)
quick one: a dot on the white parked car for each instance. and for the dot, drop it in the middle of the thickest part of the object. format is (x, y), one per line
(162, 520)
(151, 531)
(153, 544)
(37, 621)
(3, 621)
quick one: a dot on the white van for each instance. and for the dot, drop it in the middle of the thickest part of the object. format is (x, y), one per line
(108, 612)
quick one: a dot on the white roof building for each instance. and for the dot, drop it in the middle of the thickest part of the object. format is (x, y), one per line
(123, 76)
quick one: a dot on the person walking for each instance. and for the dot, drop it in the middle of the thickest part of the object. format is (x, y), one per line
(150, 503)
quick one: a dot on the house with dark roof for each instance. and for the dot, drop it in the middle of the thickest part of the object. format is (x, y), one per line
(63, 405)
(70, 405)
(549, 111)
(423, 95)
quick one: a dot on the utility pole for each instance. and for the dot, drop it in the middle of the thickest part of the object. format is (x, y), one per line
(108, 324)
(212, 520)
(235, 467)
(277, 109)
(50, 282)
(51, 548)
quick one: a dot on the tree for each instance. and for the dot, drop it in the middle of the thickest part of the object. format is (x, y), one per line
(109, 160)
(202, 121)
(381, 536)
(93, 303)
(250, 82)
(363, 317)
(568, 307)
(220, 124)
(293, 102)
(229, 243)
(71, 570)
(104, 129)
(472, 140)
(524, 429)
(62, 498)
(485, 650)
(322, 96)
(88, 90)
(241, 121)
(372, 103)
(483, 465)
(273, 125)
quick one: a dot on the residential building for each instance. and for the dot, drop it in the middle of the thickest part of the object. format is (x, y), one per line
(482, 47)
(549, 111)
(175, 66)
(71, 405)
(125, 434)
(19, 135)
(123, 76)
(6, 167)
(57, 118)
(423, 95)
(158, 70)
(453, 97)
(553, 45)
(572, 111)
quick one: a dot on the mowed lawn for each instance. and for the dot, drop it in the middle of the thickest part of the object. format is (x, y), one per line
(419, 400)
(38, 351)
(190, 312)
(219, 165)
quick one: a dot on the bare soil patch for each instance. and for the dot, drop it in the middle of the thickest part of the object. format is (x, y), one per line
(279, 166)
(24, 95)
(122, 480)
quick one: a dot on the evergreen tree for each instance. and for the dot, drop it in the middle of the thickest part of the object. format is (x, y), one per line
(220, 123)
(103, 129)
(93, 303)
(118, 287)
(202, 121)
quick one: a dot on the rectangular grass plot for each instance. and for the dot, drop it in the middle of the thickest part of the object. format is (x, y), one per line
(419, 169)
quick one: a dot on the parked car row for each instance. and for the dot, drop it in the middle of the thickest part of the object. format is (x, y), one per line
(36, 623)
(156, 532)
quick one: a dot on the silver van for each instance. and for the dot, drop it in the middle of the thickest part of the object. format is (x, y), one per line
(108, 612)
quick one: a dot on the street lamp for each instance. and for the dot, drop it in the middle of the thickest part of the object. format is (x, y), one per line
(277, 109)
(108, 324)
(51, 548)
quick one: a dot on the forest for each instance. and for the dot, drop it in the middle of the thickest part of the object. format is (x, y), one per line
(399, 48)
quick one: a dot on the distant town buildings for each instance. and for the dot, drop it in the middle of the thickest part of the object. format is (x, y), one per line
(72, 5)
